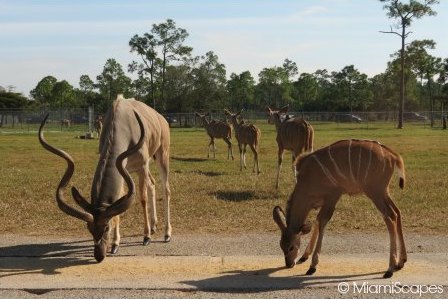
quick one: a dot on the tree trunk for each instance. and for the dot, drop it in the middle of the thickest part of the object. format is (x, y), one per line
(431, 102)
(153, 96)
(402, 85)
(162, 94)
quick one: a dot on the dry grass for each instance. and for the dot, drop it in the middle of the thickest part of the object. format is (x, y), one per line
(213, 195)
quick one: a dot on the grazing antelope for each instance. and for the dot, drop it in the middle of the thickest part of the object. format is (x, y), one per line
(246, 134)
(295, 135)
(217, 129)
(345, 167)
(128, 142)
(98, 124)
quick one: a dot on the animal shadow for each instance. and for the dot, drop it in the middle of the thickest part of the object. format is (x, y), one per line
(209, 173)
(236, 196)
(257, 281)
(201, 172)
(184, 159)
(45, 258)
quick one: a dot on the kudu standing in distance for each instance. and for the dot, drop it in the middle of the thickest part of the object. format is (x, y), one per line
(98, 124)
(345, 167)
(133, 134)
(293, 134)
(65, 123)
(246, 134)
(217, 129)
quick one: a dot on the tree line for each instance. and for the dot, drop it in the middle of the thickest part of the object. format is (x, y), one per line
(166, 76)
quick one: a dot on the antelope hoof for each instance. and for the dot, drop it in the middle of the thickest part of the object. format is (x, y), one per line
(146, 241)
(302, 259)
(311, 271)
(114, 249)
(388, 274)
(167, 239)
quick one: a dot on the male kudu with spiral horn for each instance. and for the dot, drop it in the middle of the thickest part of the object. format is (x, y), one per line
(132, 135)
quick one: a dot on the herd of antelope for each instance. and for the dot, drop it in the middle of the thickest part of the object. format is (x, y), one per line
(133, 134)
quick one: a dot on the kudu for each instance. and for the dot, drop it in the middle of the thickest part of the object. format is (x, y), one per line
(131, 138)
(246, 134)
(65, 123)
(98, 124)
(345, 167)
(217, 129)
(293, 134)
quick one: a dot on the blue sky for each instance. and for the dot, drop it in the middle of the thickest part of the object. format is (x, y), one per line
(67, 39)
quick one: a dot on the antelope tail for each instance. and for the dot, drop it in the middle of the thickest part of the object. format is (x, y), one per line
(400, 169)
(308, 137)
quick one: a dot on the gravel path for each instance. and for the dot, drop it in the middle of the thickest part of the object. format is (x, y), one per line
(211, 266)
(216, 245)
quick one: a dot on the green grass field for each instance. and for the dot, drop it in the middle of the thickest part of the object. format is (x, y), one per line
(213, 195)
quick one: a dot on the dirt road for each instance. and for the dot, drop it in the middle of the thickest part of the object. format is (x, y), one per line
(204, 266)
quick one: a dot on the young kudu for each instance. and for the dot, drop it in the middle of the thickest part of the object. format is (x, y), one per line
(295, 135)
(246, 134)
(217, 129)
(347, 166)
(128, 138)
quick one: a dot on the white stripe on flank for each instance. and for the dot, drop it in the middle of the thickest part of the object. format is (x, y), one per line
(382, 155)
(338, 171)
(349, 160)
(370, 160)
(325, 170)
(359, 163)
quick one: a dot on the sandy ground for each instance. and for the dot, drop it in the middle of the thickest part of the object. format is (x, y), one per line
(210, 266)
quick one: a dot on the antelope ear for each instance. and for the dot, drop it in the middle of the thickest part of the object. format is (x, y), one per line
(284, 109)
(197, 114)
(278, 216)
(226, 112)
(268, 110)
(306, 228)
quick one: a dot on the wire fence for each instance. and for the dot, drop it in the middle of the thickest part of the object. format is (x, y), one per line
(78, 119)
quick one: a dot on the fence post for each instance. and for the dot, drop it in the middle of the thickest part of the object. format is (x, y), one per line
(91, 113)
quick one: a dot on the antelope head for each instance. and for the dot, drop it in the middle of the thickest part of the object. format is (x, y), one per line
(98, 213)
(233, 116)
(274, 116)
(290, 240)
(203, 118)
